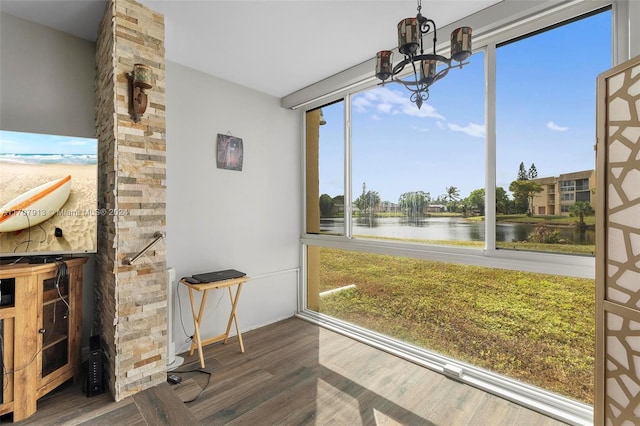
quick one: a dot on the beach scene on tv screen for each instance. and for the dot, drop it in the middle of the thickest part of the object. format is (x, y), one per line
(48, 186)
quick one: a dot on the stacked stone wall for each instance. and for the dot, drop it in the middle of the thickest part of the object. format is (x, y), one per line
(131, 299)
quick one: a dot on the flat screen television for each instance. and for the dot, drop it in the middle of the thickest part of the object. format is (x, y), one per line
(48, 187)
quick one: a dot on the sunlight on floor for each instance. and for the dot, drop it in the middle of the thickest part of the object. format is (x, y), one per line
(384, 420)
(326, 412)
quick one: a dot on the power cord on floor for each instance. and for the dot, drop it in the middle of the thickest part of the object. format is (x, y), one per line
(190, 337)
(197, 370)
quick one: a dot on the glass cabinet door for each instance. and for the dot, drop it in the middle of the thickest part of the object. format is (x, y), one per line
(3, 373)
(55, 324)
(7, 317)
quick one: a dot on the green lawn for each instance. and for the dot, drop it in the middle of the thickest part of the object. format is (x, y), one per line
(587, 249)
(549, 220)
(533, 327)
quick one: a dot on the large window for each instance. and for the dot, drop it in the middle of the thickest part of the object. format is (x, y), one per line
(545, 129)
(419, 174)
(414, 170)
(467, 227)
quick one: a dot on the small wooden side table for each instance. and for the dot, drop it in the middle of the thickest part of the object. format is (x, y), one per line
(197, 342)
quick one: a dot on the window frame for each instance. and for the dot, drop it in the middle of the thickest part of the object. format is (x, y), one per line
(505, 22)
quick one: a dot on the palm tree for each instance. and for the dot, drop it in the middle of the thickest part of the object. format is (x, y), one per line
(453, 195)
(581, 209)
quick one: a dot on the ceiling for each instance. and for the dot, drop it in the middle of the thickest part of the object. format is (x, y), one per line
(275, 47)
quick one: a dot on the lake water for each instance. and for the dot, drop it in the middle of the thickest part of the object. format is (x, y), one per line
(447, 229)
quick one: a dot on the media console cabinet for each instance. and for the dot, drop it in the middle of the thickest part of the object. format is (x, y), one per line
(40, 332)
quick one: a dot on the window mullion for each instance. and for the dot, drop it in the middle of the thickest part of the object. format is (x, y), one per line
(490, 148)
(348, 198)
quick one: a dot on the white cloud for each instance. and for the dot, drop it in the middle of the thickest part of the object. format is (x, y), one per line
(393, 102)
(384, 101)
(385, 108)
(471, 129)
(427, 111)
(362, 103)
(553, 126)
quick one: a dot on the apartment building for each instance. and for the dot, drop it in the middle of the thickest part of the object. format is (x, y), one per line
(561, 192)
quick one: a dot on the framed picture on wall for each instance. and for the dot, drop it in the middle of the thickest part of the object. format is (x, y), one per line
(229, 152)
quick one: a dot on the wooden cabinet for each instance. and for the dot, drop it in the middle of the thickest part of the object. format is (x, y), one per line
(40, 330)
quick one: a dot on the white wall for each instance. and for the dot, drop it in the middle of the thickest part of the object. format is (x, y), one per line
(46, 80)
(221, 219)
(46, 86)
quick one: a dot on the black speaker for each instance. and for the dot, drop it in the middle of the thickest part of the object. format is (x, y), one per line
(7, 291)
(95, 383)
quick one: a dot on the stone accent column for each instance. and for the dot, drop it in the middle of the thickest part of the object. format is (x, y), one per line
(131, 302)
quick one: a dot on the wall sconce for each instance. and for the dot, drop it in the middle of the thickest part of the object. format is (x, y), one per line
(139, 80)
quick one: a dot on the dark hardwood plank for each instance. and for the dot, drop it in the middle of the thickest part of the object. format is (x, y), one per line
(128, 415)
(68, 404)
(281, 359)
(224, 393)
(275, 409)
(258, 395)
(188, 390)
(256, 347)
(160, 405)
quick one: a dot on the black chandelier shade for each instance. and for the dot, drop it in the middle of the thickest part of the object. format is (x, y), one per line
(427, 68)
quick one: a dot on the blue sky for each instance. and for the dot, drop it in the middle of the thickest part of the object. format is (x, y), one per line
(34, 143)
(545, 111)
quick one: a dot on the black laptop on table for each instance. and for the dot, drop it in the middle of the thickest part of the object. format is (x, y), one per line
(210, 277)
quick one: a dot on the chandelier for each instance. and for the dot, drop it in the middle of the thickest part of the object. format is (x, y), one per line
(427, 67)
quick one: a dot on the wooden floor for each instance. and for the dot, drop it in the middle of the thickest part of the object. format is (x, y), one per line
(292, 373)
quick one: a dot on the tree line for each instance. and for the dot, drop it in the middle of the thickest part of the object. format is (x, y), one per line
(416, 203)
